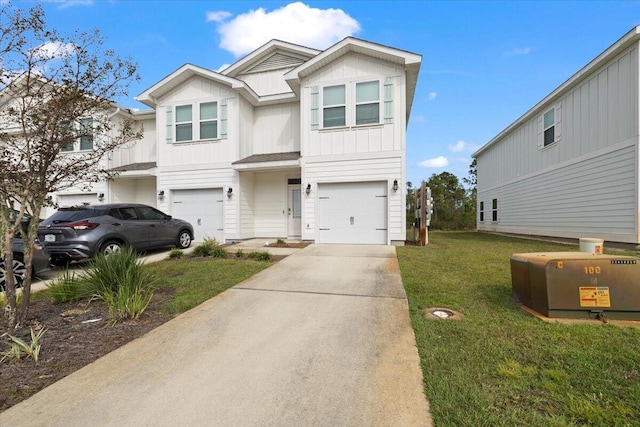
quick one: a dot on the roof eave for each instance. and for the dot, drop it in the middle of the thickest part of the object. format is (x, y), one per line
(623, 43)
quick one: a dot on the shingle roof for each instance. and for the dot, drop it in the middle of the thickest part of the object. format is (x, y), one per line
(135, 167)
(270, 157)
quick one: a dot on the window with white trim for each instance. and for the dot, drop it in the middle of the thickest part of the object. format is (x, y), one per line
(481, 211)
(184, 123)
(86, 134)
(549, 127)
(333, 106)
(368, 103)
(209, 120)
(494, 210)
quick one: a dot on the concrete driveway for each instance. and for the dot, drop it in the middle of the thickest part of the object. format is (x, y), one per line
(322, 338)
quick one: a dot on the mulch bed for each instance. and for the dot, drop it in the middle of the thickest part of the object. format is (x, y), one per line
(69, 343)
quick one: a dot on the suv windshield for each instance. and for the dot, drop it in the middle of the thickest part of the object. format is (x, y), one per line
(71, 215)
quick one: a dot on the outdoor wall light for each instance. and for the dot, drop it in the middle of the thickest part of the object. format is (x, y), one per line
(308, 190)
(395, 185)
(229, 192)
(161, 194)
(101, 197)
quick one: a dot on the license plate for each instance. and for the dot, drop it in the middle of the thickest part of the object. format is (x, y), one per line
(49, 237)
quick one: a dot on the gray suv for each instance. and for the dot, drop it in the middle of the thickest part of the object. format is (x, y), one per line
(81, 232)
(39, 263)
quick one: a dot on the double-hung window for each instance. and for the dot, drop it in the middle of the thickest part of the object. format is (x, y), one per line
(86, 134)
(208, 120)
(549, 122)
(494, 210)
(333, 106)
(481, 211)
(184, 123)
(367, 103)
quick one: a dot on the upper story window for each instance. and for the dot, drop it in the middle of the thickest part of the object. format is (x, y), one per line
(209, 120)
(359, 103)
(333, 106)
(184, 123)
(85, 141)
(549, 129)
(368, 103)
(86, 131)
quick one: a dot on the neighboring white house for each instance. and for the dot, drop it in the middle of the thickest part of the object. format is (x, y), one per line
(288, 142)
(569, 167)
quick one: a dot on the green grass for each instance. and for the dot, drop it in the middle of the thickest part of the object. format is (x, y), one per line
(197, 281)
(499, 366)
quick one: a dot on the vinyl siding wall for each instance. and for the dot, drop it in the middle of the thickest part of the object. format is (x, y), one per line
(276, 129)
(584, 185)
(140, 151)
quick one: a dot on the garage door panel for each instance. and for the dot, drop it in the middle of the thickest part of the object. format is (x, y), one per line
(352, 213)
(203, 208)
(68, 200)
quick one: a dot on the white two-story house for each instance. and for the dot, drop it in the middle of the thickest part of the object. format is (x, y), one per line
(288, 142)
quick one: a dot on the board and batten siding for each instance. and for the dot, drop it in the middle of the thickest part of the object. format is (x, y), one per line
(139, 151)
(276, 129)
(349, 69)
(352, 169)
(270, 194)
(600, 112)
(206, 176)
(586, 184)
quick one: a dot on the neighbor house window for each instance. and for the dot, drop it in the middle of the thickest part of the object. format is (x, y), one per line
(549, 128)
(184, 123)
(333, 106)
(65, 128)
(481, 211)
(367, 103)
(494, 212)
(209, 120)
(86, 132)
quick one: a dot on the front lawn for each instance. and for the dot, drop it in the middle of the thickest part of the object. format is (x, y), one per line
(499, 366)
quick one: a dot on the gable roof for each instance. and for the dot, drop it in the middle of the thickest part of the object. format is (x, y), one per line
(184, 73)
(273, 55)
(408, 60)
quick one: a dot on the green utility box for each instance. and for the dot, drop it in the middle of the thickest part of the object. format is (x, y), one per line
(578, 284)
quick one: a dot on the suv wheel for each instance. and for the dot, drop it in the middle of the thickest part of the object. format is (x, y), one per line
(184, 239)
(110, 247)
(19, 271)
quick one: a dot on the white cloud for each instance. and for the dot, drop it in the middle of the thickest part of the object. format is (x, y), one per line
(54, 50)
(218, 16)
(222, 68)
(296, 23)
(432, 96)
(519, 51)
(458, 146)
(437, 162)
(418, 119)
(461, 146)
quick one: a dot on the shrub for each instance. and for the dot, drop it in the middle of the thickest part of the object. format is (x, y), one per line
(280, 242)
(122, 282)
(210, 247)
(239, 253)
(206, 248)
(176, 253)
(260, 256)
(66, 287)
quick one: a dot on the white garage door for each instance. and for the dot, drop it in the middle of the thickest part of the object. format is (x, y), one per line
(66, 200)
(353, 212)
(203, 209)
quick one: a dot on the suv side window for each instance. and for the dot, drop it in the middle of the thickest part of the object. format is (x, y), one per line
(128, 213)
(151, 213)
(115, 213)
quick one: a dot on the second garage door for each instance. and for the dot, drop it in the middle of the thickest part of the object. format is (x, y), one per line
(352, 212)
(203, 209)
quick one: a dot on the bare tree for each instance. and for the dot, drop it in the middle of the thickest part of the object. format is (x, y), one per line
(57, 125)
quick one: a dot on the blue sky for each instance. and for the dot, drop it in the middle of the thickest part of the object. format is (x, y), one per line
(484, 63)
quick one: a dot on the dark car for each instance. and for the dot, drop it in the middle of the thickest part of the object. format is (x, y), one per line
(82, 232)
(39, 263)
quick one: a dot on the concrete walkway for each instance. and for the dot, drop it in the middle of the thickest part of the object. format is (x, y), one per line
(321, 338)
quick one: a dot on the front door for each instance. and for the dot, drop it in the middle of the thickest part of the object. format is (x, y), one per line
(294, 221)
